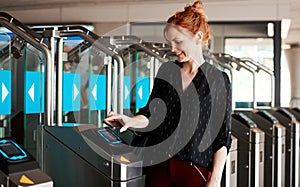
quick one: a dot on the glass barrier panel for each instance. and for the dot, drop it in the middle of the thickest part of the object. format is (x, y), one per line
(84, 83)
(33, 78)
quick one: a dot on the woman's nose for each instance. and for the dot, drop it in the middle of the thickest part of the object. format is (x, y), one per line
(172, 48)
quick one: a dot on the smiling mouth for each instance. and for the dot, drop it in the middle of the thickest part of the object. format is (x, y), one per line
(178, 54)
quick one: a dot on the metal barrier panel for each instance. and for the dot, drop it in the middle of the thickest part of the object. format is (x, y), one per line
(89, 156)
(296, 113)
(280, 160)
(257, 147)
(250, 164)
(292, 145)
(286, 122)
(274, 157)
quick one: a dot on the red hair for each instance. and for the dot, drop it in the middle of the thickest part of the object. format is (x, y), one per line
(194, 19)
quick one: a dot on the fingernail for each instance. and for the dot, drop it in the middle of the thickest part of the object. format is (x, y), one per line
(122, 130)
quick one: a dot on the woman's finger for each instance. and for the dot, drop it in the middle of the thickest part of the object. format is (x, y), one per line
(124, 128)
(110, 114)
(115, 121)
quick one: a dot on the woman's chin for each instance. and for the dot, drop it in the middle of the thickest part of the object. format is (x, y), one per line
(181, 60)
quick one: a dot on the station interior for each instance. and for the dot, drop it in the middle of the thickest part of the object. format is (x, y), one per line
(65, 64)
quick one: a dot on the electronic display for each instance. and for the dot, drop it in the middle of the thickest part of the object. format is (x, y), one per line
(109, 136)
(11, 151)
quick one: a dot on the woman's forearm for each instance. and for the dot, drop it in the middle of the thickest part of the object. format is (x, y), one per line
(140, 121)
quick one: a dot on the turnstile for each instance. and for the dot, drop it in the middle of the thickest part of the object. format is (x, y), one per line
(229, 177)
(274, 169)
(292, 145)
(84, 155)
(296, 113)
(19, 168)
(250, 164)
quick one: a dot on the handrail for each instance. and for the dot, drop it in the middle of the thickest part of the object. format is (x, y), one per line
(78, 28)
(134, 40)
(230, 59)
(22, 33)
(258, 65)
(22, 26)
(83, 45)
(266, 70)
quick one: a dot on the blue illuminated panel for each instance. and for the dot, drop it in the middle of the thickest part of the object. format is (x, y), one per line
(70, 124)
(5, 92)
(34, 92)
(71, 92)
(142, 91)
(126, 98)
(270, 116)
(97, 92)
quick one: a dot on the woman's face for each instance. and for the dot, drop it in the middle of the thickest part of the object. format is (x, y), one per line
(182, 42)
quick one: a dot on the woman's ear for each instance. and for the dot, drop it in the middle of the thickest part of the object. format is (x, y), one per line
(199, 36)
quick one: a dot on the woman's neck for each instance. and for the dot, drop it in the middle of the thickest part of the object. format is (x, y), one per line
(192, 66)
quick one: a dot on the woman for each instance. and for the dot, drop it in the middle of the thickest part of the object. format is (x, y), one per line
(192, 96)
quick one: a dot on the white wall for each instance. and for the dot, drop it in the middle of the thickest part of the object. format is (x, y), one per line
(293, 59)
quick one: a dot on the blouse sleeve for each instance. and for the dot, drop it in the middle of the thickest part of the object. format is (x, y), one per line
(224, 135)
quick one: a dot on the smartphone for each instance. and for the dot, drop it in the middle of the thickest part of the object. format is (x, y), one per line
(115, 126)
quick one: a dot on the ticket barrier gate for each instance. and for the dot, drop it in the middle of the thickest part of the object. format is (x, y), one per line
(275, 138)
(292, 145)
(84, 155)
(296, 113)
(19, 168)
(250, 164)
(229, 177)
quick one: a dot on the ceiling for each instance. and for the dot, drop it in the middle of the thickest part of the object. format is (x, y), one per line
(7, 5)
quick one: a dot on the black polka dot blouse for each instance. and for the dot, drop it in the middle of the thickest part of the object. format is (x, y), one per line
(194, 122)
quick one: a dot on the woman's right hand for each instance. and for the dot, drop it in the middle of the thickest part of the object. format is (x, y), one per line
(124, 122)
(118, 120)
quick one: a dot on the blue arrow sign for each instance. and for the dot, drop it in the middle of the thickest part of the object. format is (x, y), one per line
(97, 92)
(71, 92)
(34, 92)
(5, 92)
(126, 92)
(142, 91)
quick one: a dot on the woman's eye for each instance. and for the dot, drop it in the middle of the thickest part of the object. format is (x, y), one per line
(177, 42)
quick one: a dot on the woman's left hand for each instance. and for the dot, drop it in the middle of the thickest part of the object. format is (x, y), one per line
(213, 183)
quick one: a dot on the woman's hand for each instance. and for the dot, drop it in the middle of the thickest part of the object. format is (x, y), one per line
(124, 122)
(213, 183)
(218, 166)
(118, 120)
